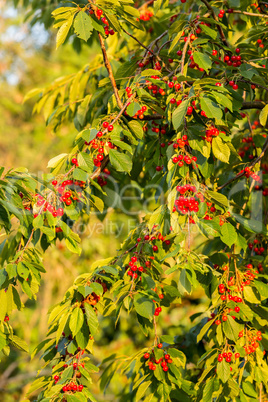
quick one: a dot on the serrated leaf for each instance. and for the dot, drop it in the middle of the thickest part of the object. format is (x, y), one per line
(220, 150)
(121, 162)
(136, 128)
(179, 114)
(228, 234)
(231, 328)
(223, 371)
(202, 60)
(19, 343)
(210, 32)
(142, 389)
(63, 31)
(92, 319)
(208, 390)
(212, 110)
(143, 306)
(83, 26)
(76, 320)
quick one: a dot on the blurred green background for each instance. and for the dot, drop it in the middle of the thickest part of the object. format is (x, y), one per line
(28, 60)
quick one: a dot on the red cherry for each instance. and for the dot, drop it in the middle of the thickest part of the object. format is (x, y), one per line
(237, 50)
(160, 345)
(80, 387)
(74, 161)
(189, 110)
(110, 127)
(54, 182)
(105, 124)
(155, 248)
(235, 87)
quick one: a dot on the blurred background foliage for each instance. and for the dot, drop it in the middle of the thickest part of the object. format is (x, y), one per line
(28, 60)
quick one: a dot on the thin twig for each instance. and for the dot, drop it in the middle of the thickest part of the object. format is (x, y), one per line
(250, 14)
(141, 44)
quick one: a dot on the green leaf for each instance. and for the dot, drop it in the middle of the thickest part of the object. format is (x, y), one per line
(264, 115)
(144, 306)
(85, 161)
(220, 150)
(262, 289)
(223, 371)
(204, 330)
(212, 110)
(142, 390)
(231, 328)
(202, 60)
(121, 162)
(179, 114)
(22, 270)
(245, 312)
(209, 228)
(73, 246)
(218, 197)
(89, 134)
(92, 319)
(76, 320)
(83, 26)
(208, 390)
(63, 31)
(228, 234)
(19, 343)
(136, 128)
(250, 296)
(210, 32)
(54, 162)
(37, 384)
(133, 108)
(223, 100)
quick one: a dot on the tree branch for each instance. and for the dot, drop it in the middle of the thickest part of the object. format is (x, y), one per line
(184, 54)
(216, 19)
(253, 105)
(110, 71)
(264, 149)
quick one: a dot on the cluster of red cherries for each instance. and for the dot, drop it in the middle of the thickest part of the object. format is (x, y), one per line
(140, 113)
(72, 386)
(256, 247)
(247, 140)
(164, 361)
(146, 15)
(252, 338)
(249, 173)
(210, 133)
(228, 356)
(104, 20)
(102, 178)
(134, 266)
(188, 200)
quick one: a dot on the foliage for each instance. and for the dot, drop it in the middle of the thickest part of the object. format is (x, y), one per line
(162, 110)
